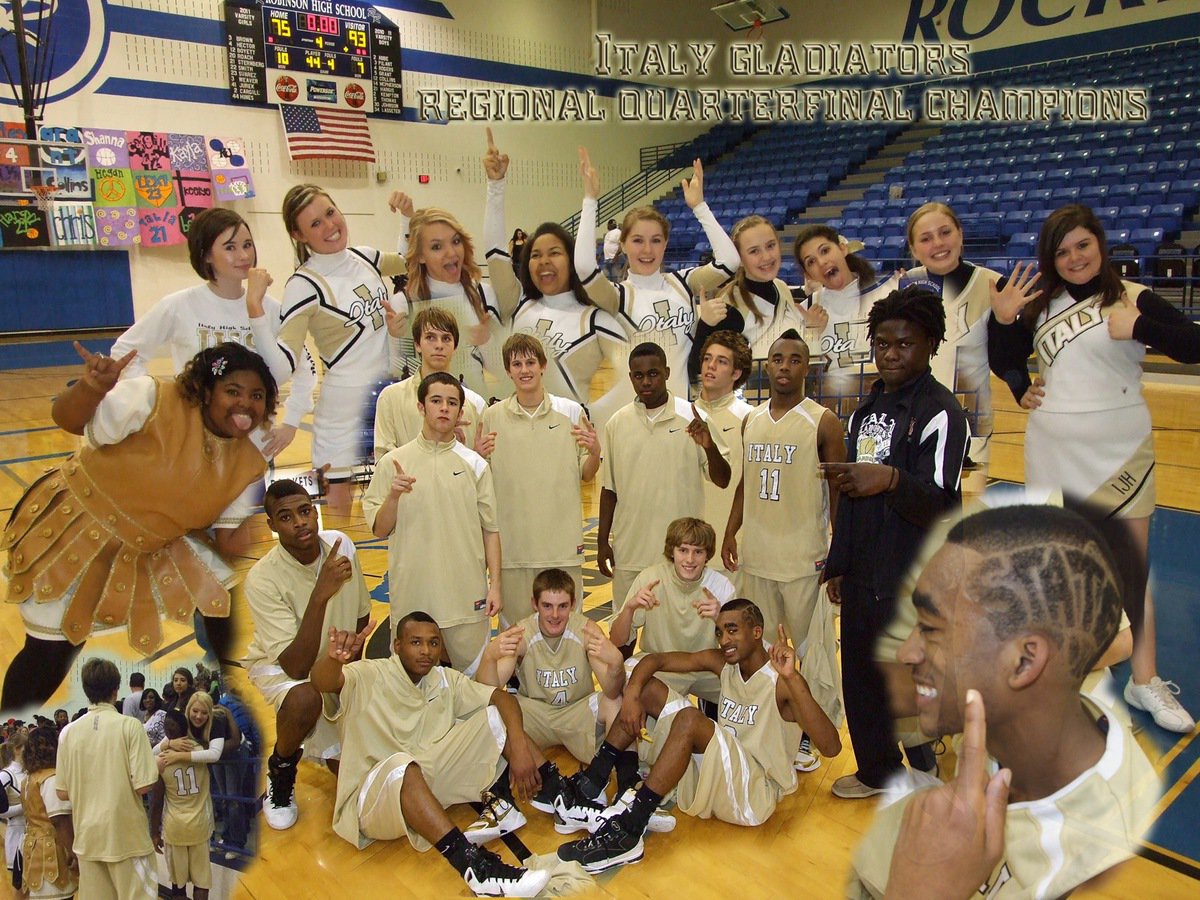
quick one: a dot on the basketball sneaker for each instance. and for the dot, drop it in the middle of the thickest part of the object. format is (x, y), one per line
(279, 806)
(498, 818)
(660, 822)
(612, 845)
(576, 808)
(806, 760)
(487, 875)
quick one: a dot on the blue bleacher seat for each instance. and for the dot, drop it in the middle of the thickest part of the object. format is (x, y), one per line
(1039, 199)
(1134, 216)
(1011, 200)
(1185, 191)
(1114, 174)
(1146, 240)
(1022, 246)
(1167, 216)
(986, 202)
(1015, 222)
(1093, 194)
(1154, 192)
(1108, 215)
(1122, 194)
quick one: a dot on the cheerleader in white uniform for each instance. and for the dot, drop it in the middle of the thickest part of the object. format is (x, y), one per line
(231, 305)
(651, 305)
(556, 310)
(442, 271)
(935, 239)
(1089, 429)
(846, 288)
(339, 296)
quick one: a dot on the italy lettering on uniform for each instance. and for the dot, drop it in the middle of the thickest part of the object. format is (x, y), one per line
(840, 346)
(738, 713)
(664, 319)
(1069, 327)
(555, 344)
(770, 453)
(875, 438)
(551, 679)
(369, 304)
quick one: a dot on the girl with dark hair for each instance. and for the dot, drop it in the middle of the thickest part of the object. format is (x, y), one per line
(106, 539)
(516, 248)
(845, 288)
(231, 305)
(155, 711)
(555, 308)
(1089, 429)
(50, 870)
(183, 686)
(651, 305)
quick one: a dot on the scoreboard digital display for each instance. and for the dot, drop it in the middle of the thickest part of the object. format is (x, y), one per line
(313, 53)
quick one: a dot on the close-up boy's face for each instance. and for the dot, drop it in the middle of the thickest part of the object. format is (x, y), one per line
(953, 647)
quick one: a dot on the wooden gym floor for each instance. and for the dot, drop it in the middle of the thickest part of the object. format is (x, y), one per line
(804, 848)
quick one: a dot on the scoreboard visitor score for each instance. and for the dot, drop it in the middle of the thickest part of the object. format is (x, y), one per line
(340, 55)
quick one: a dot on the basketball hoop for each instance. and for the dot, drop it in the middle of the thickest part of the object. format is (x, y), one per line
(43, 195)
(756, 31)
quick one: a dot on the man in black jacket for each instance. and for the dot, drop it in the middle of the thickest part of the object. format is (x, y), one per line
(907, 441)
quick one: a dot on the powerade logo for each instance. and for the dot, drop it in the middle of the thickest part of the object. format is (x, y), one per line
(321, 91)
(71, 36)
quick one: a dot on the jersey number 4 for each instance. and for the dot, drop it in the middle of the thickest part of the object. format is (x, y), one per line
(768, 484)
(185, 781)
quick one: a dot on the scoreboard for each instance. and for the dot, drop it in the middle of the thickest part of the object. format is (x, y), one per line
(313, 53)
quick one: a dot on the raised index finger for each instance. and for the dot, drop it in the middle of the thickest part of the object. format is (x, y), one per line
(491, 143)
(972, 768)
(399, 469)
(84, 353)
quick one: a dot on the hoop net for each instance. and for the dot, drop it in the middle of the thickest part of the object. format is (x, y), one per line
(43, 195)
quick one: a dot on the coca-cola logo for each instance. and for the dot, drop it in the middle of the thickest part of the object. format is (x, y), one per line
(286, 88)
(355, 96)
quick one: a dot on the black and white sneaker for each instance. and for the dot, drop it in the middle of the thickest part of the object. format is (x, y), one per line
(487, 875)
(660, 820)
(279, 806)
(612, 845)
(543, 800)
(498, 818)
(575, 808)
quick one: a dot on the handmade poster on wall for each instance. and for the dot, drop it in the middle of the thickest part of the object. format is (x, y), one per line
(113, 188)
(230, 169)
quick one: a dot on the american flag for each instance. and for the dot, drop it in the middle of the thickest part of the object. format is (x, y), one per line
(319, 133)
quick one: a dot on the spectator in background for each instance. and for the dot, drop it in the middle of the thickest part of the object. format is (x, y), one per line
(48, 827)
(132, 704)
(516, 248)
(613, 257)
(61, 718)
(154, 710)
(183, 685)
(237, 774)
